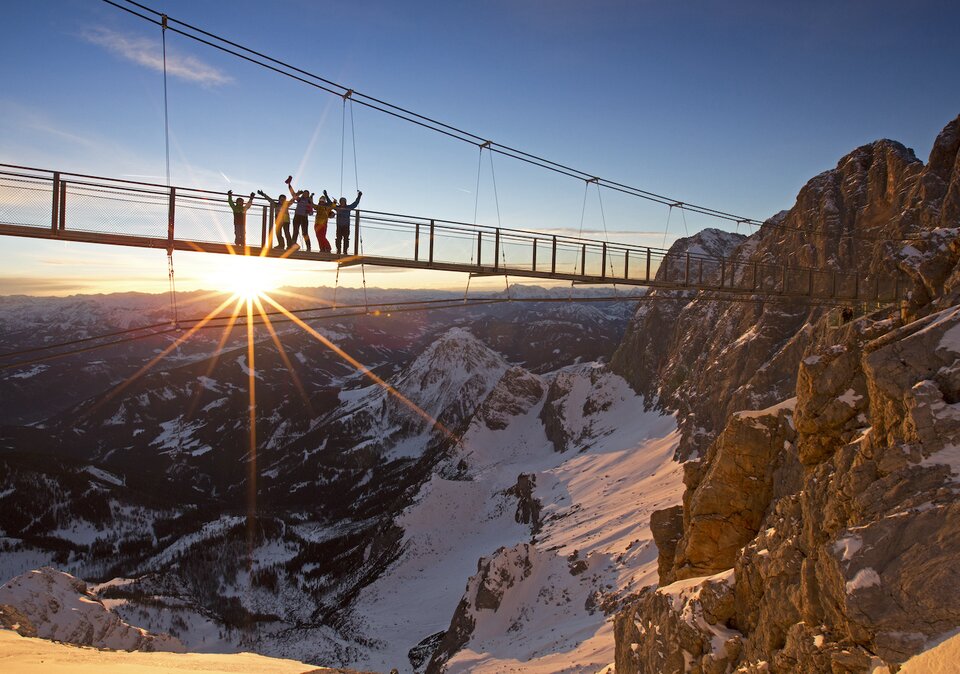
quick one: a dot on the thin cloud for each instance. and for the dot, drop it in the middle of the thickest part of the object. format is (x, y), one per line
(147, 53)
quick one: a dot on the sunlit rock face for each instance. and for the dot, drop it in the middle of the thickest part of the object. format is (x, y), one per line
(832, 516)
(707, 359)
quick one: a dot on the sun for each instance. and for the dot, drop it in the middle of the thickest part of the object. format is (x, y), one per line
(248, 277)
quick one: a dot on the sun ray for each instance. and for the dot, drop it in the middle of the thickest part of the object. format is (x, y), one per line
(227, 329)
(202, 298)
(363, 369)
(177, 342)
(283, 355)
(299, 296)
(252, 436)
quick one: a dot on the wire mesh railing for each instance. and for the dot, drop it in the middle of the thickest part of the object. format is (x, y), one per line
(66, 203)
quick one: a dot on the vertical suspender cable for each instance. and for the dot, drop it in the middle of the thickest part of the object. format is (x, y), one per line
(356, 179)
(583, 212)
(166, 137)
(476, 192)
(343, 135)
(667, 228)
(476, 203)
(353, 133)
(606, 235)
(496, 199)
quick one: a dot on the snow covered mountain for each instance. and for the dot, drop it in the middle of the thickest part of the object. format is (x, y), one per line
(55, 605)
(356, 484)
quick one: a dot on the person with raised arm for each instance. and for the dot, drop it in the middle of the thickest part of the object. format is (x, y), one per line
(343, 223)
(325, 211)
(239, 217)
(301, 215)
(281, 219)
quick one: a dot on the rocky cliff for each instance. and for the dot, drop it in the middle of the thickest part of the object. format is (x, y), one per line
(818, 531)
(851, 219)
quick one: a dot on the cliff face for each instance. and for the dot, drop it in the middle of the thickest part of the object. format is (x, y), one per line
(819, 534)
(748, 358)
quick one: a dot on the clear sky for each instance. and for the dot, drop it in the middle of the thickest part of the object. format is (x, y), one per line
(730, 104)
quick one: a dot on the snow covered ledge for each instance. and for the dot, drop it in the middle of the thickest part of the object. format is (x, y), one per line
(681, 627)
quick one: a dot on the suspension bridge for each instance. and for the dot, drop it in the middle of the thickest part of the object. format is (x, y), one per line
(55, 205)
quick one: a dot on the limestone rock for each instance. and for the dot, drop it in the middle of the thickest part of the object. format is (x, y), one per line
(666, 526)
(842, 533)
(728, 504)
(681, 627)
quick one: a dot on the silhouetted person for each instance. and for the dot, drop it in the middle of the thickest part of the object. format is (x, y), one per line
(281, 219)
(343, 223)
(239, 217)
(325, 211)
(301, 215)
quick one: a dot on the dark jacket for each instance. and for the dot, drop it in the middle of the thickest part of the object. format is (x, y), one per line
(343, 213)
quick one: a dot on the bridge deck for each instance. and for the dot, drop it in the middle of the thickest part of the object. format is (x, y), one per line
(70, 207)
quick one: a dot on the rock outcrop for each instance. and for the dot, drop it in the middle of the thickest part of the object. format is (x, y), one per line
(833, 517)
(54, 605)
(725, 504)
(485, 590)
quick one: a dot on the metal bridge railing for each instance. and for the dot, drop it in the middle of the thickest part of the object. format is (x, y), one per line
(65, 202)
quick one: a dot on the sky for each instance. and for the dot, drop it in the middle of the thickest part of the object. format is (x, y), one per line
(729, 104)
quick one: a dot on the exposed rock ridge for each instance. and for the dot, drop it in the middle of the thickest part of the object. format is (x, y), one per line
(835, 515)
(750, 354)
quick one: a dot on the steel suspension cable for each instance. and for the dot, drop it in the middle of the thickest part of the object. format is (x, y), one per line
(431, 305)
(408, 115)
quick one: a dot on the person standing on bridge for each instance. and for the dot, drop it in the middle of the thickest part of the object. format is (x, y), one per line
(325, 210)
(301, 215)
(343, 223)
(239, 217)
(281, 219)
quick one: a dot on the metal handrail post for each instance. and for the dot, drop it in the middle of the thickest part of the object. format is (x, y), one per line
(263, 228)
(62, 221)
(55, 208)
(171, 219)
(356, 234)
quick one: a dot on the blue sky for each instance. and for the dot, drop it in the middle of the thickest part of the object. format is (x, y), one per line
(733, 105)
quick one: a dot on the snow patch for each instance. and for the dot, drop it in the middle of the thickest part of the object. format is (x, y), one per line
(864, 578)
